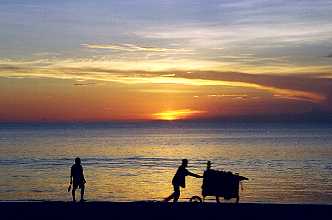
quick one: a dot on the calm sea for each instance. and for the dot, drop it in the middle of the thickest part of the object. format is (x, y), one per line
(133, 162)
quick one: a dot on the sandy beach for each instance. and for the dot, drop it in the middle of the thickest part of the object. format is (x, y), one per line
(158, 210)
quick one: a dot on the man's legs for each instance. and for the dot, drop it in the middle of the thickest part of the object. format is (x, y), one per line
(73, 193)
(82, 192)
(169, 198)
(176, 193)
(237, 199)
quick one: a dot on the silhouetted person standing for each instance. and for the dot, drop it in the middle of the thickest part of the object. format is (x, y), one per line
(77, 178)
(179, 179)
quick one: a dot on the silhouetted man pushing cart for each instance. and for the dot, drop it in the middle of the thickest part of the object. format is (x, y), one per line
(179, 179)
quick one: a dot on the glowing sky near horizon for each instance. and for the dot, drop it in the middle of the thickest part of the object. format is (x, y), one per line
(131, 60)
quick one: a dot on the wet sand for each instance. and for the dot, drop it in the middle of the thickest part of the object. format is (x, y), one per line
(158, 210)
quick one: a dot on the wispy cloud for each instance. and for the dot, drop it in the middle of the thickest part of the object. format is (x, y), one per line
(46, 54)
(84, 84)
(167, 91)
(301, 88)
(135, 48)
(216, 36)
(236, 96)
(295, 98)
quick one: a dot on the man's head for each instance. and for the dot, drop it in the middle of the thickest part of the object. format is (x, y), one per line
(78, 160)
(185, 162)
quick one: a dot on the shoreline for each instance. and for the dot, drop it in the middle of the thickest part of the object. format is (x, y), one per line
(156, 210)
(210, 201)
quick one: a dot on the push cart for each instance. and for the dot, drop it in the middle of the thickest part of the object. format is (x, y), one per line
(220, 184)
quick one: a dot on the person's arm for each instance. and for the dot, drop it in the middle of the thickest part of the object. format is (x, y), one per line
(71, 175)
(243, 178)
(83, 176)
(194, 175)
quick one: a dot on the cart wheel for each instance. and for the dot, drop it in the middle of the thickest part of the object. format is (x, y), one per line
(196, 199)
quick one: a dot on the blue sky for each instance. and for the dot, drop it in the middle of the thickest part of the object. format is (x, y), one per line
(300, 30)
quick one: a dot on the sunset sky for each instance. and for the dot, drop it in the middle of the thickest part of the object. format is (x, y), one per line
(104, 60)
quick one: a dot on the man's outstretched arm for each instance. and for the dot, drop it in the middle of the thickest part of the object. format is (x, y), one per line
(194, 175)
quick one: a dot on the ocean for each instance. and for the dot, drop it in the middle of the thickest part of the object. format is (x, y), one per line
(285, 163)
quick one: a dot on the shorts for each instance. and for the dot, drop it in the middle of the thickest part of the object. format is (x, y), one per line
(78, 185)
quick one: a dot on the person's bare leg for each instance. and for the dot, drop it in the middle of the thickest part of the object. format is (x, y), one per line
(169, 198)
(176, 197)
(176, 194)
(82, 193)
(73, 194)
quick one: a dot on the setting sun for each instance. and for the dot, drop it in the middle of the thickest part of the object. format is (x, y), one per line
(176, 114)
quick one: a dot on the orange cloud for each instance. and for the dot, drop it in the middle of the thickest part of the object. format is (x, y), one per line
(298, 87)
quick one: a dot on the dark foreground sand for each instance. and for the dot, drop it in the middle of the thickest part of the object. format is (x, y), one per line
(158, 210)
